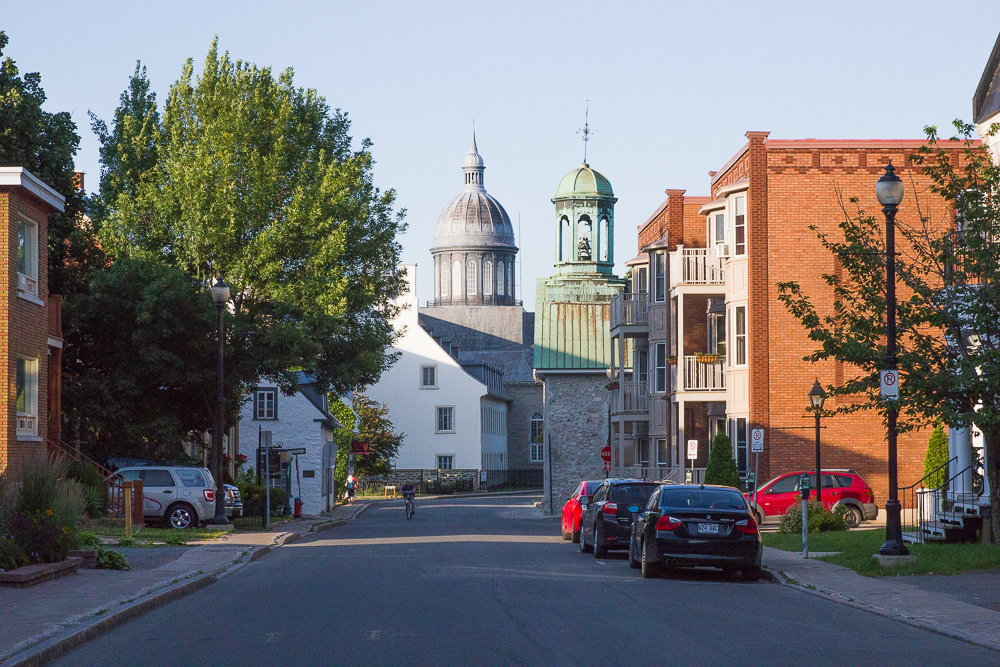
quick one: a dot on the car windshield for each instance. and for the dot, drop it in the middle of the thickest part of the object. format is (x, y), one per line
(632, 494)
(702, 499)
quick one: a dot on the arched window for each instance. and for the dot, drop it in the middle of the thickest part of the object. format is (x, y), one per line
(584, 241)
(537, 437)
(470, 278)
(487, 278)
(437, 282)
(605, 232)
(565, 240)
(444, 278)
(456, 279)
(510, 279)
(501, 283)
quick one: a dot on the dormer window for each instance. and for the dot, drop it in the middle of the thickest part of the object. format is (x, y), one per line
(27, 258)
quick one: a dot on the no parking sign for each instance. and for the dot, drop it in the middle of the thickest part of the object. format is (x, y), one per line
(756, 440)
(889, 384)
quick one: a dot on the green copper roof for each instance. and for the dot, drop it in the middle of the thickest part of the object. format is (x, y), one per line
(586, 181)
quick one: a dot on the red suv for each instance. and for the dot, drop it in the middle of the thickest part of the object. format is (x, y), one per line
(840, 487)
(573, 509)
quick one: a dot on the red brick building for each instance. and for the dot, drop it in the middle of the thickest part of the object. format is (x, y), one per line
(703, 343)
(30, 324)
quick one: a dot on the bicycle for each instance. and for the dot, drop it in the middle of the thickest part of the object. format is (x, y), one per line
(408, 503)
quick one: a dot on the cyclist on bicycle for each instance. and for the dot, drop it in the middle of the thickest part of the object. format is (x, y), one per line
(409, 491)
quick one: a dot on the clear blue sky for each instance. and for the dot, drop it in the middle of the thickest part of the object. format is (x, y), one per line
(673, 87)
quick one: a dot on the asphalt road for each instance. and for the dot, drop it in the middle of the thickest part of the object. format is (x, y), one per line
(478, 581)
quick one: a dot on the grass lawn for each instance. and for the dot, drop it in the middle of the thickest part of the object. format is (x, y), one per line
(148, 533)
(857, 546)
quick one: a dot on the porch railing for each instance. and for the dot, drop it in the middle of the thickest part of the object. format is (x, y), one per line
(629, 309)
(696, 266)
(704, 375)
(631, 396)
(665, 474)
(933, 513)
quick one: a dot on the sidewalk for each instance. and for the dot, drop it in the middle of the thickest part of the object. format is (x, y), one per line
(44, 621)
(923, 601)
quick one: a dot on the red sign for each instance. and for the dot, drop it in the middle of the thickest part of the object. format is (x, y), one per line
(607, 465)
(360, 448)
(606, 454)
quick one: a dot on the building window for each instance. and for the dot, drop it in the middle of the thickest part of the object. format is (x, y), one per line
(740, 227)
(717, 334)
(720, 227)
(444, 278)
(644, 452)
(501, 279)
(27, 396)
(661, 452)
(27, 258)
(740, 438)
(510, 279)
(642, 366)
(446, 461)
(456, 279)
(741, 336)
(437, 282)
(641, 280)
(661, 368)
(537, 448)
(660, 275)
(428, 377)
(265, 403)
(487, 278)
(446, 420)
(537, 429)
(470, 278)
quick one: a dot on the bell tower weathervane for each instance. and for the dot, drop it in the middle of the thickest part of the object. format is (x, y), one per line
(586, 131)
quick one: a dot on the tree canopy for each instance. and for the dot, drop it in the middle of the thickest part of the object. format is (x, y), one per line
(246, 176)
(948, 270)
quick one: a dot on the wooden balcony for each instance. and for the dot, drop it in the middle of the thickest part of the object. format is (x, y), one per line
(696, 266)
(630, 397)
(630, 310)
(699, 375)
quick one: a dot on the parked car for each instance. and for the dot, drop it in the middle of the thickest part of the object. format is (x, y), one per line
(689, 525)
(607, 521)
(181, 496)
(573, 509)
(841, 487)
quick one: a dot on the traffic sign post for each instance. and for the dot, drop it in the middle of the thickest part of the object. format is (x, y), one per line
(889, 384)
(692, 455)
(756, 446)
(606, 457)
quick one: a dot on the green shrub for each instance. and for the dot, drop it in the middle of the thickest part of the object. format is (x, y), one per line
(86, 540)
(820, 518)
(38, 482)
(721, 468)
(95, 488)
(937, 455)
(253, 500)
(109, 559)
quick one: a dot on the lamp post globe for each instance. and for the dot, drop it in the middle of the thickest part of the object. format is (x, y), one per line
(816, 399)
(889, 191)
(220, 295)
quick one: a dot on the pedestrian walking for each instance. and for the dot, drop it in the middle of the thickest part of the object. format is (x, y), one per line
(352, 488)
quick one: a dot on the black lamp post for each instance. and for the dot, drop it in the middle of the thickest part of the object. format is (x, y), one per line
(816, 398)
(220, 295)
(889, 190)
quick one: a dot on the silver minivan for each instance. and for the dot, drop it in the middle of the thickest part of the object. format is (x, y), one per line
(182, 496)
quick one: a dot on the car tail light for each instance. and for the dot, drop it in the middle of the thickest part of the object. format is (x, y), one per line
(668, 523)
(747, 526)
(610, 508)
(210, 495)
(870, 494)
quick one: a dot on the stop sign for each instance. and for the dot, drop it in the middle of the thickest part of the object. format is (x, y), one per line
(606, 453)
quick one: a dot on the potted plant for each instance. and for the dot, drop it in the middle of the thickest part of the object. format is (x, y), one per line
(672, 359)
(707, 358)
(611, 386)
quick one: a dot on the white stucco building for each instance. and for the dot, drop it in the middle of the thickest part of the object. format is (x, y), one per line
(300, 420)
(453, 416)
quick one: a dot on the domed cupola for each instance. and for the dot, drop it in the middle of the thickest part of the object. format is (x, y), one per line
(474, 247)
(585, 222)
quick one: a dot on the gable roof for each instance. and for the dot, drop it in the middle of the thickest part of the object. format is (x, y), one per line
(986, 101)
(307, 388)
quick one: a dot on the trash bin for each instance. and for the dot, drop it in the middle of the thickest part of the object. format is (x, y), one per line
(298, 508)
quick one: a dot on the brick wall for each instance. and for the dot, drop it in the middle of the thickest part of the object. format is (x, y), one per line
(695, 329)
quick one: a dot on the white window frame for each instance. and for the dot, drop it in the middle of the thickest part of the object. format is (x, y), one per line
(661, 448)
(27, 248)
(26, 396)
(642, 366)
(739, 201)
(423, 376)
(537, 453)
(740, 341)
(471, 287)
(457, 289)
(501, 278)
(260, 395)
(642, 279)
(445, 274)
(660, 276)
(660, 376)
(441, 459)
(487, 278)
(450, 418)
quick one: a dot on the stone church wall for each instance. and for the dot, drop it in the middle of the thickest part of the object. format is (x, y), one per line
(576, 422)
(526, 400)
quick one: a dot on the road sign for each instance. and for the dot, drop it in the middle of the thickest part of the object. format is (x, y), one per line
(607, 466)
(606, 455)
(692, 449)
(756, 440)
(889, 384)
(360, 448)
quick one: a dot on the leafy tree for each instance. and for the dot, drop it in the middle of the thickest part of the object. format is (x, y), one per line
(140, 379)
(949, 273)
(45, 143)
(937, 455)
(375, 428)
(247, 176)
(721, 468)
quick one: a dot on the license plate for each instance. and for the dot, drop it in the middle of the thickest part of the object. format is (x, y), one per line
(708, 529)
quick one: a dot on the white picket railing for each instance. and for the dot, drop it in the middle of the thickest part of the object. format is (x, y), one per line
(696, 266)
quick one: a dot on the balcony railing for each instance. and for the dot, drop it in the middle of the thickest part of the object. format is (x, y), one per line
(696, 266)
(663, 473)
(631, 396)
(630, 309)
(700, 375)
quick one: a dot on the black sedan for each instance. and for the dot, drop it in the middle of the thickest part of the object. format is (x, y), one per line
(607, 521)
(696, 526)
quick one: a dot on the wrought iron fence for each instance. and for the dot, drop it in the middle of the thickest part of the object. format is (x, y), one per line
(516, 478)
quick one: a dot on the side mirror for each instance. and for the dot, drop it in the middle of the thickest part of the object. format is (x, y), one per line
(584, 501)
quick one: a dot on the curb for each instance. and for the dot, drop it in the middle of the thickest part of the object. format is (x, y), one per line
(913, 621)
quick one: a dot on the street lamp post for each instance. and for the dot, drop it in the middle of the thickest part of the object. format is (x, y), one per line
(220, 295)
(816, 398)
(889, 190)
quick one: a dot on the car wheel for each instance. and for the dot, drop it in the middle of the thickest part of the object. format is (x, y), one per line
(575, 537)
(649, 570)
(853, 517)
(565, 534)
(633, 562)
(600, 549)
(181, 516)
(584, 548)
(759, 518)
(751, 573)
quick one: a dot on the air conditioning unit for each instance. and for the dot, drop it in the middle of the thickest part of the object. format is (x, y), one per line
(722, 250)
